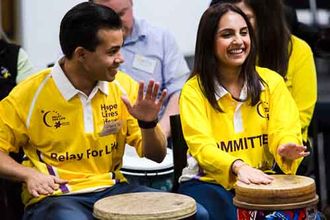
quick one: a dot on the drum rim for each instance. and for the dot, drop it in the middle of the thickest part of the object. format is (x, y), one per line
(283, 206)
(133, 167)
(140, 217)
(250, 187)
(188, 211)
(157, 172)
(129, 161)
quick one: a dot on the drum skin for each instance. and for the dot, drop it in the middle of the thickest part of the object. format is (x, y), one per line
(285, 192)
(145, 206)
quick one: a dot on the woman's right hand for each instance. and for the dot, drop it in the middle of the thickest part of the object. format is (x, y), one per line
(248, 174)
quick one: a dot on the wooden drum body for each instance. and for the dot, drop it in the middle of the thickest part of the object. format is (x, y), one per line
(145, 206)
(287, 197)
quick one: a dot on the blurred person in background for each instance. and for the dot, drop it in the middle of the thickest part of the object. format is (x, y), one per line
(14, 63)
(151, 52)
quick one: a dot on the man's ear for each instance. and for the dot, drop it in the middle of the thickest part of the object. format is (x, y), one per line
(80, 54)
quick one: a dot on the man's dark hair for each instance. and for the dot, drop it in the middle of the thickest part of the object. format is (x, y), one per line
(80, 25)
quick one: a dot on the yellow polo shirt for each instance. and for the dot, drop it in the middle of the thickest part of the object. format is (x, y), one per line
(251, 133)
(67, 134)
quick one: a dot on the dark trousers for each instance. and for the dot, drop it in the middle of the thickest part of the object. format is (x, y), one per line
(78, 206)
(213, 197)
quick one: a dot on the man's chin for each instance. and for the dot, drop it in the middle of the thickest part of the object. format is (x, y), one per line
(110, 79)
(112, 75)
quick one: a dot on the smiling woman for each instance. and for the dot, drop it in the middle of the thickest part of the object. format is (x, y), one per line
(244, 118)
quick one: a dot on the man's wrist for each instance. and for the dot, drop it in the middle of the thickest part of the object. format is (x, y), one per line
(147, 124)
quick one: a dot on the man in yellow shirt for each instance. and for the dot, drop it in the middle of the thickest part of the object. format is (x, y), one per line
(74, 120)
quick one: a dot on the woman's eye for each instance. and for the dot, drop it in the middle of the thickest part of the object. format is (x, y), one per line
(244, 33)
(225, 35)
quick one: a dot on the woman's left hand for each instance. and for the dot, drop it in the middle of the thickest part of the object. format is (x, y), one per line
(292, 151)
(146, 107)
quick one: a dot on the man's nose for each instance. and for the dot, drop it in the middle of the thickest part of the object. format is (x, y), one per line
(119, 59)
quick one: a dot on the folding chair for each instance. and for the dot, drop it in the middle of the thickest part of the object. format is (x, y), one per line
(179, 149)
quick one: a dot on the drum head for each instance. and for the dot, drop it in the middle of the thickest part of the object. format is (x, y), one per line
(145, 206)
(285, 192)
(132, 163)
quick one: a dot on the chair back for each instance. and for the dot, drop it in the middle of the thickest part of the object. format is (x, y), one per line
(11, 205)
(179, 149)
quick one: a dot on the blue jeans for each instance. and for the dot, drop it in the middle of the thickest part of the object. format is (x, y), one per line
(213, 197)
(76, 207)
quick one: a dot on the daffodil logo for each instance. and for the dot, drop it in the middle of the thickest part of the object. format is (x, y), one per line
(263, 109)
(53, 119)
(4, 74)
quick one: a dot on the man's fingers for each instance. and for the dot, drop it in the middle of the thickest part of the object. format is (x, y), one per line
(155, 92)
(60, 181)
(49, 189)
(149, 89)
(34, 193)
(141, 90)
(42, 190)
(162, 97)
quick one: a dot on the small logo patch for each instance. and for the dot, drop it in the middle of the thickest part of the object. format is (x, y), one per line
(54, 119)
(263, 110)
(4, 74)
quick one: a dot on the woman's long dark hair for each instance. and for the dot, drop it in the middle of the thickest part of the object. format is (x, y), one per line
(273, 35)
(206, 63)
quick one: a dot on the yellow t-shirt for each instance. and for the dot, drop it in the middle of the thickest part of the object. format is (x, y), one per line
(301, 81)
(67, 134)
(251, 133)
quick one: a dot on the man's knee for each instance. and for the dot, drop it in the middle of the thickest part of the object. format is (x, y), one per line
(59, 208)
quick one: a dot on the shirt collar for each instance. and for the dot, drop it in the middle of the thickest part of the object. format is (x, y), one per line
(65, 86)
(138, 33)
(220, 91)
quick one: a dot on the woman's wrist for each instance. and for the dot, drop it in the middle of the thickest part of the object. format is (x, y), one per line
(237, 164)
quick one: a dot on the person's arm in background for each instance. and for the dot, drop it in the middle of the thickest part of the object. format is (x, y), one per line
(304, 83)
(172, 108)
(175, 73)
(24, 66)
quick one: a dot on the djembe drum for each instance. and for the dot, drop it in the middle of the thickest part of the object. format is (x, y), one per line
(145, 206)
(287, 197)
(143, 171)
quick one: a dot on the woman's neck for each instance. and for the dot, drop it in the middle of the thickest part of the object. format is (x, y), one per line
(232, 81)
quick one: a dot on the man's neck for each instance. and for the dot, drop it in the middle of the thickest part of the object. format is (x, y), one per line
(77, 76)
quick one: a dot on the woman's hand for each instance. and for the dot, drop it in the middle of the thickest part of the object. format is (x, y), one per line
(292, 151)
(248, 174)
